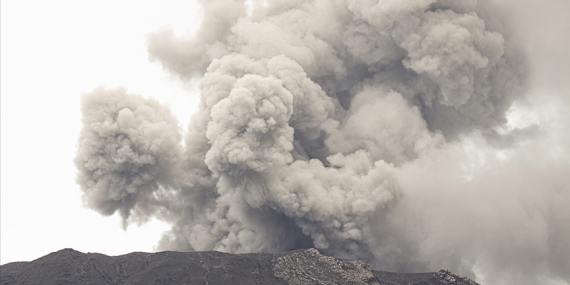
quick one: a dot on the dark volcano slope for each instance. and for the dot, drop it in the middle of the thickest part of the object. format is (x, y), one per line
(68, 266)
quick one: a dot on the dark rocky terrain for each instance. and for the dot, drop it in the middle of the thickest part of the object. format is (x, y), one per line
(69, 266)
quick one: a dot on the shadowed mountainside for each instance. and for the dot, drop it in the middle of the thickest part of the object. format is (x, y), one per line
(69, 266)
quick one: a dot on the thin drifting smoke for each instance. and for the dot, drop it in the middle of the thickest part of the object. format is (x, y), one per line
(367, 129)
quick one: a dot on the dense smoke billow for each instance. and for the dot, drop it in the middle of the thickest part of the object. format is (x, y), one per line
(413, 135)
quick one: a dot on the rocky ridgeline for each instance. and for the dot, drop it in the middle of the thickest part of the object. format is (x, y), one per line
(310, 267)
(448, 277)
(296, 267)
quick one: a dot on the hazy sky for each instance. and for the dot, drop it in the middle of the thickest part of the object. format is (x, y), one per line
(52, 52)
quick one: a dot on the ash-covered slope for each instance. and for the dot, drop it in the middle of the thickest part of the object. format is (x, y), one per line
(69, 266)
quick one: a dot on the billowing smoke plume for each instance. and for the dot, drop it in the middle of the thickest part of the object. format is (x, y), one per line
(128, 147)
(379, 130)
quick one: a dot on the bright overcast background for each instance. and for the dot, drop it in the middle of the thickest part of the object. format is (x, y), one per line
(52, 52)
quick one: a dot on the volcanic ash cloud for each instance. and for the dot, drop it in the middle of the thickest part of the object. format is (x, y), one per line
(374, 130)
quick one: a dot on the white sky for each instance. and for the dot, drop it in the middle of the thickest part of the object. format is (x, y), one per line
(51, 53)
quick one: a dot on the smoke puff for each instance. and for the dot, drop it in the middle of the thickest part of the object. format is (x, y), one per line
(378, 130)
(249, 128)
(384, 125)
(128, 147)
(190, 58)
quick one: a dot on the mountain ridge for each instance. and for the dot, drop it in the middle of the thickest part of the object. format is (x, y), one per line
(69, 266)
